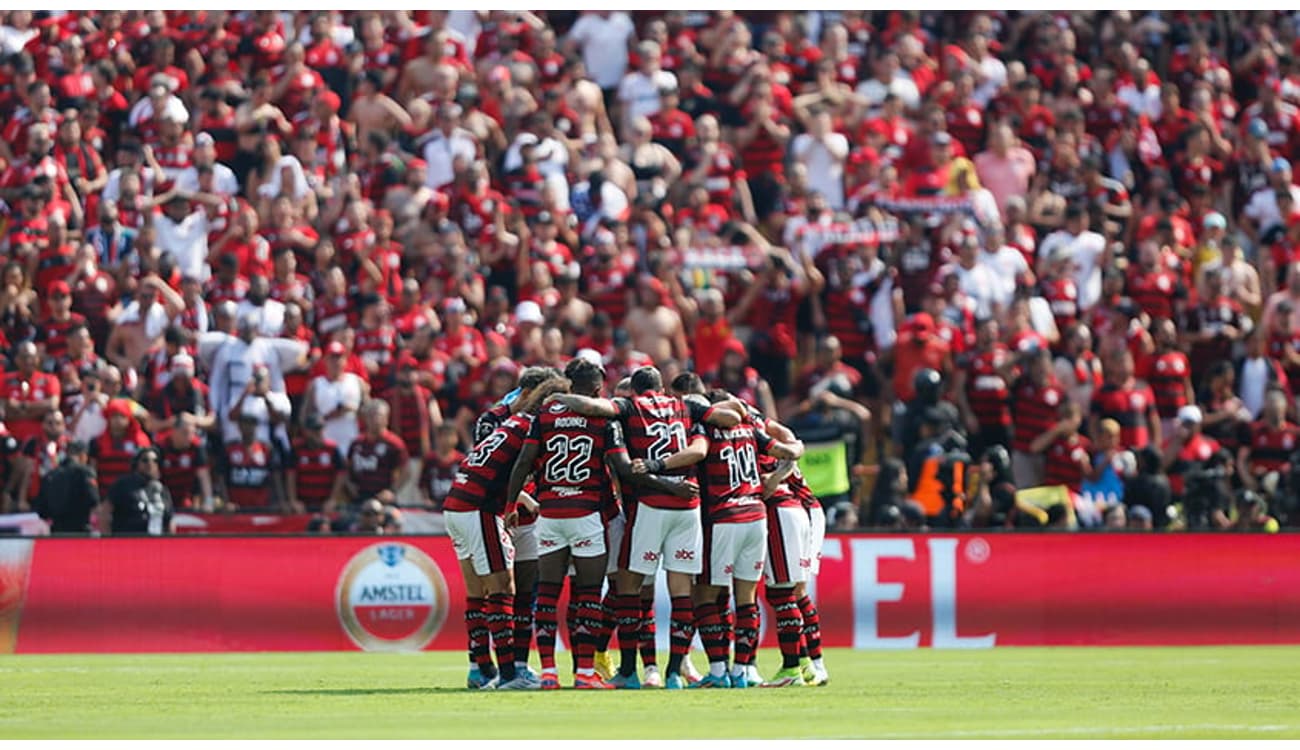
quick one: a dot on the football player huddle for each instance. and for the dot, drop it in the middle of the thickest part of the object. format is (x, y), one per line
(565, 485)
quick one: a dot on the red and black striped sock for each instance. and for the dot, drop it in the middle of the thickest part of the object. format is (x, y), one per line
(607, 620)
(476, 631)
(571, 620)
(812, 626)
(681, 632)
(583, 638)
(789, 624)
(500, 611)
(746, 633)
(548, 597)
(523, 625)
(712, 632)
(649, 656)
(628, 610)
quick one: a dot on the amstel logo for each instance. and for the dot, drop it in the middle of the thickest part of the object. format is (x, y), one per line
(391, 597)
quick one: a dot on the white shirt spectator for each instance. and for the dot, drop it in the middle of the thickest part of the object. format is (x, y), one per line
(639, 92)
(441, 153)
(603, 42)
(1085, 250)
(1262, 207)
(993, 73)
(824, 159)
(328, 396)
(232, 369)
(1007, 264)
(902, 86)
(270, 316)
(980, 284)
(187, 241)
(224, 181)
(261, 409)
(143, 110)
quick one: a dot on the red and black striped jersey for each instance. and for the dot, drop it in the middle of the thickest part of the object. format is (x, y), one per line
(113, 459)
(1271, 448)
(315, 468)
(481, 481)
(572, 480)
(1063, 462)
(1168, 379)
(658, 425)
(987, 390)
(54, 334)
(248, 474)
(377, 345)
(1130, 406)
(732, 488)
(371, 463)
(1036, 410)
(180, 467)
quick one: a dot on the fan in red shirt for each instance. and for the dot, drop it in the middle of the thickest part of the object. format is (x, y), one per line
(377, 459)
(1187, 449)
(28, 394)
(1129, 402)
(315, 476)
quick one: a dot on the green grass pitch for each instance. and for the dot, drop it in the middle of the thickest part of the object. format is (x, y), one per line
(1022, 693)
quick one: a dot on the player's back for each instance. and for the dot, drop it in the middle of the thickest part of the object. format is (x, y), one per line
(483, 475)
(730, 484)
(658, 425)
(572, 479)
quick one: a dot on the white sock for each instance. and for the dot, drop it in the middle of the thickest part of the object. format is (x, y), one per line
(521, 666)
(818, 664)
(652, 669)
(738, 670)
(586, 672)
(717, 668)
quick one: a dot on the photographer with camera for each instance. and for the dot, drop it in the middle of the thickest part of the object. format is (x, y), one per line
(1198, 469)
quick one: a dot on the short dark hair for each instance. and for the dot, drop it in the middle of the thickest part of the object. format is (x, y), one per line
(647, 379)
(688, 382)
(584, 375)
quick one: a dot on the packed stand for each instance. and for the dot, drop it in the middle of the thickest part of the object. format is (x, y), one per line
(1027, 269)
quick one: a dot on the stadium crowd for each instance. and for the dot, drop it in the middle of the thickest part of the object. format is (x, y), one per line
(1020, 269)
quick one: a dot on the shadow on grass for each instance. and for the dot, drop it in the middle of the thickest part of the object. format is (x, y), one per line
(350, 692)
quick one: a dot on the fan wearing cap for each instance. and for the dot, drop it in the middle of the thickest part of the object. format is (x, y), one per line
(52, 334)
(183, 395)
(204, 156)
(137, 502)
(1187, 450)
(1263, 212)
(336, 397)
